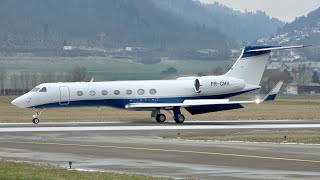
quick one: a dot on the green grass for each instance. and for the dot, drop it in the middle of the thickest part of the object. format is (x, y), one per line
(303, 108)
(292, 136)
(26, 171)
(110, 69)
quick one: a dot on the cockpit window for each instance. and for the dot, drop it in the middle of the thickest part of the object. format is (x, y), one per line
(35, 89)
(44, 89)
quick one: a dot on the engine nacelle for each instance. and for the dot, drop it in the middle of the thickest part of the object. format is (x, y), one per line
(211, 85)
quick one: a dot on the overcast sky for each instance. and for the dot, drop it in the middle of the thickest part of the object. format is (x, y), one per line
(286, 10)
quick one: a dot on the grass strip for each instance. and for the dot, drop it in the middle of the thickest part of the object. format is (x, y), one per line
(26, 171)
(291, 136)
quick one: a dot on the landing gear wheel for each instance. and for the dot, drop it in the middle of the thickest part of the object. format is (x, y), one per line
(179, 118)
(160, 118)
(35, 120)
(36, 117)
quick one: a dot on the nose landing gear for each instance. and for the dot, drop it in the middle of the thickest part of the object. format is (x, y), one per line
(36, 116)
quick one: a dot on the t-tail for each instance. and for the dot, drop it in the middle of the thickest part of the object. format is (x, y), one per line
(252, 62)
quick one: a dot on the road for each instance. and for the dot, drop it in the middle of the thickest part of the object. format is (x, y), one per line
(140, 148)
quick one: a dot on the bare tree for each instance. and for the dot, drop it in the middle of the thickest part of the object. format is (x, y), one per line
(48, 77)
(79, 74)
(271, 77)
(34, 79)
(22, 80)
(300, 73)
(218, 71)
(14, 81)
(3, 78)
(27, 80)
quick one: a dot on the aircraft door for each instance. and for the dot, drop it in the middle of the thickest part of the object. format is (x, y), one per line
(64, 95)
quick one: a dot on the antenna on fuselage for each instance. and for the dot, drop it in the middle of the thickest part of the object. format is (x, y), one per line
(92, 79)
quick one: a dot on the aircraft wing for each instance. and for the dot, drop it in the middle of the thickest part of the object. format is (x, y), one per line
(194, 106)
(186, 103)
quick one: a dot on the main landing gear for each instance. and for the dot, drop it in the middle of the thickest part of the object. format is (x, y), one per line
(161, 118)
(177, 116)
(36, 116)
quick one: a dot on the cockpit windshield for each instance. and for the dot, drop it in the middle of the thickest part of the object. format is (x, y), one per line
(34, 89)
(44, 89)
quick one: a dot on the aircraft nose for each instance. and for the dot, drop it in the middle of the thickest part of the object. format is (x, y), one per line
(19, 101)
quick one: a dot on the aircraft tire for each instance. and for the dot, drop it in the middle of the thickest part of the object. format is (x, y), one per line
(179, 118)
(160, 118)
(35, 120)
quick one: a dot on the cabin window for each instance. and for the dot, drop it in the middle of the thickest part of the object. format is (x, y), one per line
(44, 89)
(129, 92)
(104, 92)
(79, 93)
(116, 92)
(35, 89)
(92, 93)
(140, 91)
(152, 91)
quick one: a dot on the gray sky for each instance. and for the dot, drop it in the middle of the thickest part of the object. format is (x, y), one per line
(286, 10)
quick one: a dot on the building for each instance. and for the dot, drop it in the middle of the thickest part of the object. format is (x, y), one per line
(295, 89)
(291, 88)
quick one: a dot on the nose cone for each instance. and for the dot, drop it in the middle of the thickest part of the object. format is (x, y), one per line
(20, 102)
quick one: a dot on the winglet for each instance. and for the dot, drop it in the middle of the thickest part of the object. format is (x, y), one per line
(274, 92)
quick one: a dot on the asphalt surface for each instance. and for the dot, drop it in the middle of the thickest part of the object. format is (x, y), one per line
(133, 147)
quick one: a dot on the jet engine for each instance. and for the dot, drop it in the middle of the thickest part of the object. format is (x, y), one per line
(211, 85)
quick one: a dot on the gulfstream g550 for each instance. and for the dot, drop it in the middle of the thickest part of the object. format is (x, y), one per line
(196, 94)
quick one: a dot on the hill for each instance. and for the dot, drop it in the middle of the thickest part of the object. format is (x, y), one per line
(240, 26)
(45, 24)
(303, 30)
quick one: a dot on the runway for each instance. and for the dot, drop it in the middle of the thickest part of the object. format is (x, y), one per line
(140, 148)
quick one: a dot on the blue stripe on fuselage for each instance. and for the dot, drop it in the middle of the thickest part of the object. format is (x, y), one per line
(120, 103)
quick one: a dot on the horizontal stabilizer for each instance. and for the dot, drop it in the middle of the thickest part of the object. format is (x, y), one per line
(275, 48)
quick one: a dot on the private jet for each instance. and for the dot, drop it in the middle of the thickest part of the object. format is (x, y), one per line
(197, 95)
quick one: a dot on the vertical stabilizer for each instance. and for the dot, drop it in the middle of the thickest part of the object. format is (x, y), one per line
(252, 62)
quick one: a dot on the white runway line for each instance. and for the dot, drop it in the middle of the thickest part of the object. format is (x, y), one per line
(60, 123)
(173, 127)
(246, 121)
(123, 122)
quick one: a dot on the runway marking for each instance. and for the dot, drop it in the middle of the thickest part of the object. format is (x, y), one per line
(166, 150)
(156, 127)
(63, 123)
(128, 122)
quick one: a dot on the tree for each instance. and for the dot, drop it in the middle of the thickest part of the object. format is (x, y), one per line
(79, 74)
(65, 43)
(315, 77)
(3, 77)
(300, 73)
(14, 80)
(218, 71)
(25, 79)
(271, 77)
(34, 79)
(203, 74)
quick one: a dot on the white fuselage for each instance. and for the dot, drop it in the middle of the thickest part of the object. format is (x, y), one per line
(120, 93)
